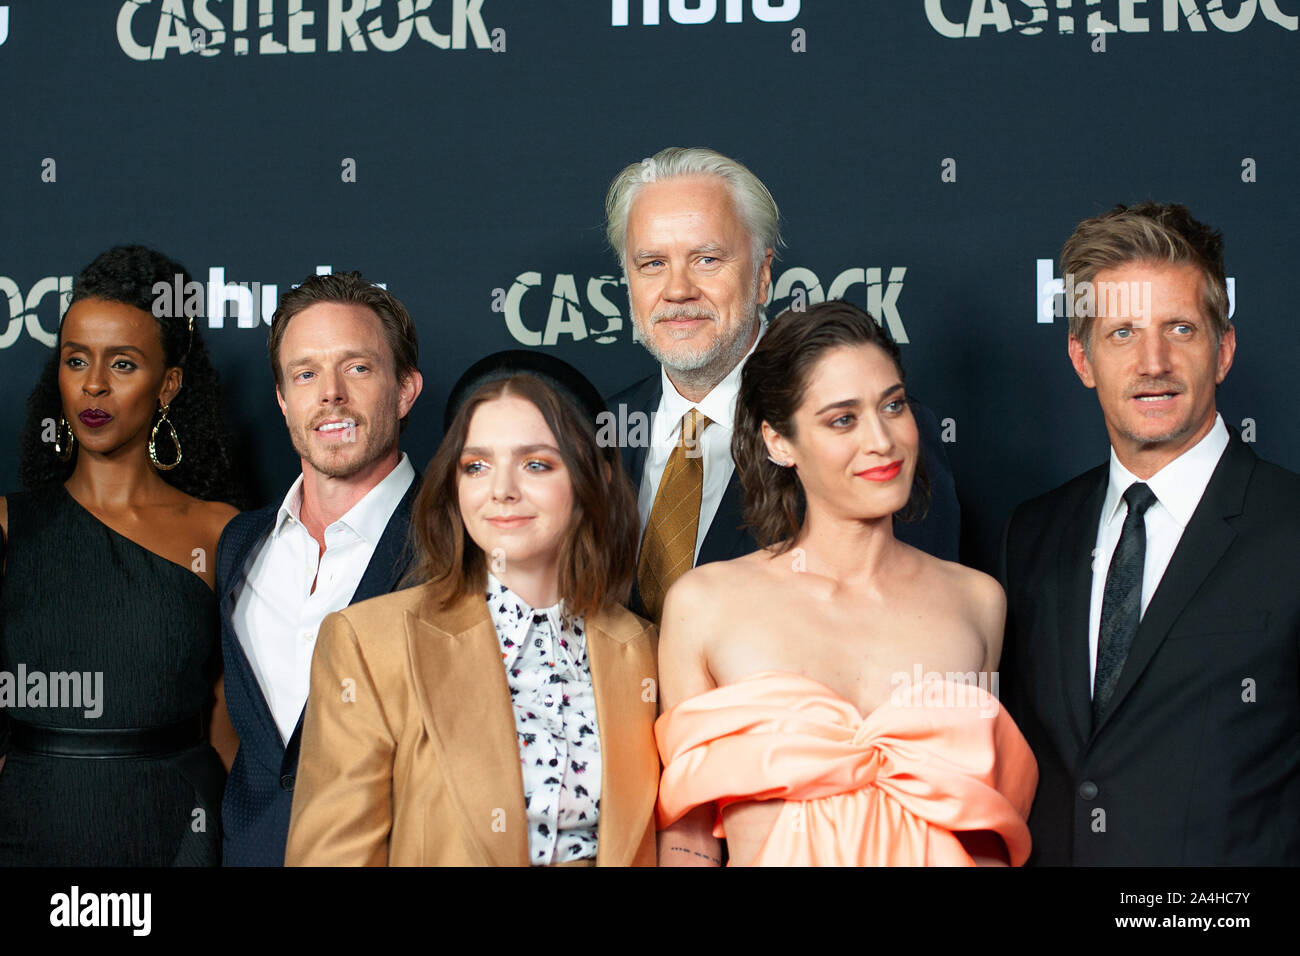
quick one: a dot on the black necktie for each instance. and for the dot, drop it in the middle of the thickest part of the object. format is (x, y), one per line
(1121, 603)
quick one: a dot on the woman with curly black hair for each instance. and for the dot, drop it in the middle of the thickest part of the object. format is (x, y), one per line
(109, 633)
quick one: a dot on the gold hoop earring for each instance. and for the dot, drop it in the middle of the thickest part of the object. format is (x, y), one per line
(64, 451)
(153, 436)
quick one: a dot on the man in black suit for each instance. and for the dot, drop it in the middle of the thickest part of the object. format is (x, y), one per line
(344, 354)
(1152, 656)
(695, 233)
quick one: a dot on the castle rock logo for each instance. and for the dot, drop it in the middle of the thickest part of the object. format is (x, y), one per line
(959, 19)
(149, 31)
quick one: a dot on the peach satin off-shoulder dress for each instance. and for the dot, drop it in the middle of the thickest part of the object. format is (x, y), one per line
(887, 789)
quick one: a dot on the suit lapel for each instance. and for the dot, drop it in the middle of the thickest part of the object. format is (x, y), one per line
(1205, 540)
(243, 542)
(726, 538)
(641, 399)
(392, 554)
(617, 670)
(461, 687)
(1074, 584)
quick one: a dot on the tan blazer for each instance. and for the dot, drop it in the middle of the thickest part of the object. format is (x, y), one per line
(409, 750)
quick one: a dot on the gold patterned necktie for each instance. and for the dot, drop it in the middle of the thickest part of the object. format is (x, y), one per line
(668, 546)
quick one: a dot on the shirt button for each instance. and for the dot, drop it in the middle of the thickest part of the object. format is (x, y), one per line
(1088, 790)
(306, 635)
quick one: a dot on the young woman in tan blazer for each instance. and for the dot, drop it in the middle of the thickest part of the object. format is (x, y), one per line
(459, 722)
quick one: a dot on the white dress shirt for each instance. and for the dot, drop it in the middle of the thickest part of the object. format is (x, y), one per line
(715, 444)
(1178, 488)
(554, 702)
(276, 612)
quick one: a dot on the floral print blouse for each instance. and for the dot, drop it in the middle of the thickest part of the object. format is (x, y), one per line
(554, 703)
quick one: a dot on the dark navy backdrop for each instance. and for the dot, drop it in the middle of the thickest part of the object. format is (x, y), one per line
(482, 170)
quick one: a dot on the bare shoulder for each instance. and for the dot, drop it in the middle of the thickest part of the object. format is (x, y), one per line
(207, 519)
(979, 599)
(688, 605)
(970, 593)
(967, 584)
(714, 591)
(218, 515)
(983, 591)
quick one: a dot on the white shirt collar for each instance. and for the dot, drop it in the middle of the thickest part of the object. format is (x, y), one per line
(1179, 485)
(719, 405)
(513, 619)
(366, 519)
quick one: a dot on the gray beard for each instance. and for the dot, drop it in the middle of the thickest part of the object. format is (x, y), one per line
(703, 371)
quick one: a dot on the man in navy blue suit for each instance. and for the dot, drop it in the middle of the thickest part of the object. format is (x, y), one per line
(695, 233)
(344, 353)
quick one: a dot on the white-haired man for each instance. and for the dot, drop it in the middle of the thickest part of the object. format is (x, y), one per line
(695, 233)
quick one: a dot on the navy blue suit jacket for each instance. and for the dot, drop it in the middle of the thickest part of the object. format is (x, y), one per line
(938, 533)
(259, 790)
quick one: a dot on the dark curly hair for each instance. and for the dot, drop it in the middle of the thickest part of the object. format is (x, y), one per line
(127, 274)
(772, 387)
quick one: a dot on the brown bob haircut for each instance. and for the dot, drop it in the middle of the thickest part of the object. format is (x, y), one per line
(772, 387)
(349, 288)
(597, 557)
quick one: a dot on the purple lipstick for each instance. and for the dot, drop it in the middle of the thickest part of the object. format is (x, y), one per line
(95, 417)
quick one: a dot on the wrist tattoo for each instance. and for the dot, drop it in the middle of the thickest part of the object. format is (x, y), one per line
(703, 856)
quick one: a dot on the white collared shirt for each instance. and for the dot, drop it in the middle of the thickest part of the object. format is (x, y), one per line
(1178, 488)
(715, 443)
(554, 703)
(277, 614)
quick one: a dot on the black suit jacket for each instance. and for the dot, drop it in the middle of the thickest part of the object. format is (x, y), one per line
(1197, 761)
(938, 533)
(259, 790)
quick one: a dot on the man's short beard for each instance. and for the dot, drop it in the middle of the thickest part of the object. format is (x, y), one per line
(1160, 439)
(378, 443)
(701, 368)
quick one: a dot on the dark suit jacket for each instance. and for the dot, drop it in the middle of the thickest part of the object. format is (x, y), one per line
(937, 533)
(259, 790)
(1197, 761)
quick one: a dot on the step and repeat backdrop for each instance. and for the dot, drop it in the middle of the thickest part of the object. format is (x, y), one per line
(929, 158)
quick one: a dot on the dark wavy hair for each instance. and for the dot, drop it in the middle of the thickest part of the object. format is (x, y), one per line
(597, 557)
(772, 387)
(127, 274)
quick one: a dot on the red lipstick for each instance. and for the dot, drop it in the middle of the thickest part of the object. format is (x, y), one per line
(883, 473)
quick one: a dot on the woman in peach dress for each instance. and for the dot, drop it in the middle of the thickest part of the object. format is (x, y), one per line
(831, 698)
